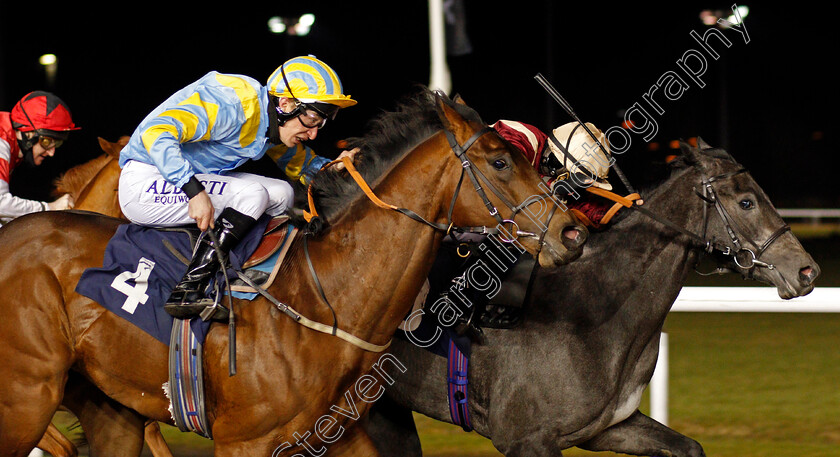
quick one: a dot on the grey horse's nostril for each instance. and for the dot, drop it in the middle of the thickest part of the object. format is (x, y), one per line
(807, 275)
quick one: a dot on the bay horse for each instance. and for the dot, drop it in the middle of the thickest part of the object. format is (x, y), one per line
(573, 372)
(290, 379)
(93, 184)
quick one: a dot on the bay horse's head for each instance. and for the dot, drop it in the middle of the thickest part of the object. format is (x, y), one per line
(502, 184)
(740, 219)
(476, 177)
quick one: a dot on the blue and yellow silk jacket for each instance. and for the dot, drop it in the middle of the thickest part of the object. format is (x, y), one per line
(213, 125)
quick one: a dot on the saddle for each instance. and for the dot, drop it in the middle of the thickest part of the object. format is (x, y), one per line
(262, 266)
(259, 270)
(272, 240)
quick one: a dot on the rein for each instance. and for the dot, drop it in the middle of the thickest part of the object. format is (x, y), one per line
(476, 177)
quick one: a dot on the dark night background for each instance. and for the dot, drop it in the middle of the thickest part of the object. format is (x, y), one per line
(779, 118)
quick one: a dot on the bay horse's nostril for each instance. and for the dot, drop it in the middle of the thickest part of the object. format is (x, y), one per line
(807, 275)
(574, 237)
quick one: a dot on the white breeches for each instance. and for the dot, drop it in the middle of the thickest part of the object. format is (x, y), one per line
(146, 198)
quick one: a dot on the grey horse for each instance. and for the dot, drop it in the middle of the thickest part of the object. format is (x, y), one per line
(573, 372)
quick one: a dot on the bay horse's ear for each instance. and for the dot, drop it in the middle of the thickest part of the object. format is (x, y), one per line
(106, 146)
(452, 121)
(458, 99)
(113, 149)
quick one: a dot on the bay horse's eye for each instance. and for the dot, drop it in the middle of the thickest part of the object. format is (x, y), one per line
(500, 164)
(746, 204)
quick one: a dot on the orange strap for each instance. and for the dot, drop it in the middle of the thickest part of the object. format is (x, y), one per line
(582, 217)
(620, 201)
(360, 181)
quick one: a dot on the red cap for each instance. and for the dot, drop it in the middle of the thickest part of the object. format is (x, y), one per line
(42, 111)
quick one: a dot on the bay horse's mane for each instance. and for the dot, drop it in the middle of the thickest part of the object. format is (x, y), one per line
(388, 138)
(74, 180)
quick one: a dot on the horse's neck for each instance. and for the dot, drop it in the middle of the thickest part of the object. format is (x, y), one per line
(99, 194)
(374, 261)
(637, 256)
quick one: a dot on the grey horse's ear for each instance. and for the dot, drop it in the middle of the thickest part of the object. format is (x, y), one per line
(688, 152)
(702, 144)
(686, 147)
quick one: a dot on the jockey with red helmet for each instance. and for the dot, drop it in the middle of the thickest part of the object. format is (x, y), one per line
(37, 125)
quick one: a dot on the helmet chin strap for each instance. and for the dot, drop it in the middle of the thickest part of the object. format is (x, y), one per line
(29, 158)
(274, 121)
(26, 144)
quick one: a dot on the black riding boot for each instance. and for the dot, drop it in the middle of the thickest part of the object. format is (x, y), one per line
(187, 299)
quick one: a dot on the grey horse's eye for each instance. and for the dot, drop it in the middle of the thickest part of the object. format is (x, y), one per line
(500, 164)
(747, 204)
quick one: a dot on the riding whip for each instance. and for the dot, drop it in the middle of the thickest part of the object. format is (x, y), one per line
(568, 108)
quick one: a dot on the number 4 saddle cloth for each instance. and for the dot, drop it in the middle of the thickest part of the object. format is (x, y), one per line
(142, 265)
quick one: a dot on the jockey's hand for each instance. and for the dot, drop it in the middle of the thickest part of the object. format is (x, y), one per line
(66, 201)
(351, 154)
(201, 209)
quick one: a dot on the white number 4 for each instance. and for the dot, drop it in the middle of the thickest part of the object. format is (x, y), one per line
(137, 293)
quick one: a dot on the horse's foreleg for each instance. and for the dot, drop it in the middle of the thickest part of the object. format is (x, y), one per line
(56, 444)
(110, 428)
(355, 442)
(392, 429)
(641, 435)
(155, 441)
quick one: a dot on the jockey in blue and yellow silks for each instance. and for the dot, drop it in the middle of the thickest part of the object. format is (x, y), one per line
(180, 162)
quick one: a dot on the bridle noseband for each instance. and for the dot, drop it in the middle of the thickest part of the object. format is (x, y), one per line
(476, 177)
(744, 257)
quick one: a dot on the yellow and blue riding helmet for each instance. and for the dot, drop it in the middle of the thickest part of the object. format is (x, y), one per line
(313, 86)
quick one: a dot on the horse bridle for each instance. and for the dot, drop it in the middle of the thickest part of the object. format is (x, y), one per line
(477, 177)
(744, 257)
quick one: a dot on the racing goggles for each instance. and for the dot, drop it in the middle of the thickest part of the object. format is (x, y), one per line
(49, 143)
(310, 116)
